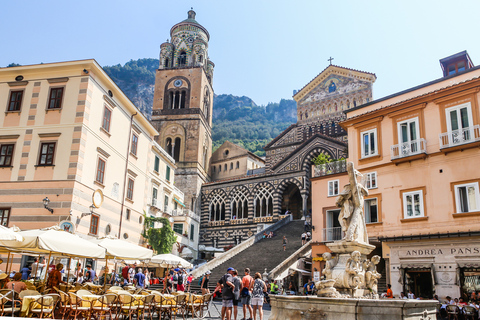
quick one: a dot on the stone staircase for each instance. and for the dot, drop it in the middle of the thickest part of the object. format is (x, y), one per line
(266, 253)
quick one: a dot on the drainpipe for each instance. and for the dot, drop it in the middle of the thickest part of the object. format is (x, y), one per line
(125, 175)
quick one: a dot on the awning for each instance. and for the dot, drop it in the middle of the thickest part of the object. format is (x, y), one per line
(186, 253)
(299, 270)
(179, 202)
(282, 275)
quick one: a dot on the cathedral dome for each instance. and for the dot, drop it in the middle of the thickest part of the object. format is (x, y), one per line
(189, 22)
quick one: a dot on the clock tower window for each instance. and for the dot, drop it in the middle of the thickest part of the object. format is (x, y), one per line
(177, 99)
(166, 63)
(182, 59)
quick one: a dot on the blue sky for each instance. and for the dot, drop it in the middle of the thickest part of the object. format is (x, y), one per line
(261, 49)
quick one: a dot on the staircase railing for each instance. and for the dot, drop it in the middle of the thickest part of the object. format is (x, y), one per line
(239, 248)
(290, 260)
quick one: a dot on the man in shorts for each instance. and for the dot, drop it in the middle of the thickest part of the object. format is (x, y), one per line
(236, 293)
(246, 295)
(226, 283)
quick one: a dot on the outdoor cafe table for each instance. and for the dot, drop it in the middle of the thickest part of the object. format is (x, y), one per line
(26, 303)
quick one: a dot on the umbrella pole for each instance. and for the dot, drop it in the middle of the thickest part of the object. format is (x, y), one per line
(47, 266)
(105, 274)
(68, 270)
(8, 261)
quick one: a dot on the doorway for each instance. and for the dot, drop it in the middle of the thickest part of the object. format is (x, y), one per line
(420, 282)
(292, 201)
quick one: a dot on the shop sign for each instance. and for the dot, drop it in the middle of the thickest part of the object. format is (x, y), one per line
(316, 276)
(442, 251)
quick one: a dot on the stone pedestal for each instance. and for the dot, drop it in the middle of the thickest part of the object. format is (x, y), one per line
(343, 250)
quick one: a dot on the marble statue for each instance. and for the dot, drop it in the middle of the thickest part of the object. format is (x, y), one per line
(329, 265)
(371, 274)
(353, 270)
(351, 202)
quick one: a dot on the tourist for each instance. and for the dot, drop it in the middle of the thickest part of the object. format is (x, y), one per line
(189, 281)
(80, 278)
(410, 294)
(449, 300)
(90, 274)
(37, 269)
(270, 235)
(304, 238)
(147, 278)
(402, 295)
(25, 273)
(131, 273)
(258, 287)
(461, 302)
(236, 293)
(3, 280)
(309, 236)
(77, 272)
(389, 291)
(17, 284)
(139, 279)
(308, 287)
(226, 283)
(246, 294)
(55, 277)
(125, 274)
(205, 280)
(273, 287)
(284, 242)
(180, 281)
(264, 235)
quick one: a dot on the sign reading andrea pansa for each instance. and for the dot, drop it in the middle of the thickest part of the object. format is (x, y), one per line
(440, 251)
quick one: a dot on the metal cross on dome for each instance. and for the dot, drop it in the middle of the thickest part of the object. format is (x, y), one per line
(330, 60)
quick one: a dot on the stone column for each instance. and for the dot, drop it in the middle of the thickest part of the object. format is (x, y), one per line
(304, 205)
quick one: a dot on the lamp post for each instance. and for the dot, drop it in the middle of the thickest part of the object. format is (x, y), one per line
(46, 201)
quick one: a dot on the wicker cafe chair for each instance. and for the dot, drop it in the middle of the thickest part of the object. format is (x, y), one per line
(44, 306)
(127, 305)
(157, 304)
(28, 293)
(104, 305)
(167, 306)
(78, 306)
(7, 306)
(453, 312)
(469, 312)
(63, 304)
(204, 308)
(146, 307)
(83, 292)
(181, 307)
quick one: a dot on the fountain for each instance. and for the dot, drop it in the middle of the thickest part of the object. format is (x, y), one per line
(349, 290)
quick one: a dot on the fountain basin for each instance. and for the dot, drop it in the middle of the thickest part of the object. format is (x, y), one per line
(322, 308)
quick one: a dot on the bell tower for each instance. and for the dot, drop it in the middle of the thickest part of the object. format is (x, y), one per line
(182, 105)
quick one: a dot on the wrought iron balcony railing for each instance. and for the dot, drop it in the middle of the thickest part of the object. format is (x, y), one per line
(330, 168)
(407, 149)
(460, 136)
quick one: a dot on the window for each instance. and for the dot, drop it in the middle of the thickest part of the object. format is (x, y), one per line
(371, 210)
(166, 203)
(239, 203)
(133, 149)
(4, 216)
(231, 165)
(154, 196)
(371, 182)
(182, 59)
(456, 67)
(214, 169)
(94, 224)
(238, 164)
(263, 202)
(175, 205)
(369, 143)
(217, 207)
(130, 189)
(107, 115)
(166, 63)
(15, 102)
(127, 214)
(333, 231)
(178, 228)
(100, 170)
(333, 188)
(413, 204)
(408, 137)
(55, 100)
(459, 124)
(220, 168)
(156, 165)
(225, 167)
(167, 176)
(192, 230)
(467, 197)
(6, 154)
(47, 152)
(176, 149)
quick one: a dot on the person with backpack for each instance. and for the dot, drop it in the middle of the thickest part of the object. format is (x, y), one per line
(204, 284)
(175, 280)
(180, 280)
(246, 294)
(226, 283)
(258, 288)
(236, 293)
(125, 274)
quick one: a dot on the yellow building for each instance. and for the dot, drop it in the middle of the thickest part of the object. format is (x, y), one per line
(67, 131)
(418, 152)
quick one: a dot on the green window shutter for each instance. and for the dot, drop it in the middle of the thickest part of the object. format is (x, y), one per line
(168, 174)
(157, 164)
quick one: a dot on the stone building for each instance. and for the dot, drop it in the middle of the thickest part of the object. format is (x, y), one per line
(182, 106)
(235, 208)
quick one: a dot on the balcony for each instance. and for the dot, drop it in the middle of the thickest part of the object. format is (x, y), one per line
(185, 213)
(330, 168)
(460, 139)
(332, 234)
(408, 151)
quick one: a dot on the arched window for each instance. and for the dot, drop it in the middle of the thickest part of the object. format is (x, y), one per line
(214, 169)
(239, 203)
(263, 203)
(176, 149)
(238, 164)
(231, 165)
(169, 146)
(220, 168)
(217, 208)
(182, 59)
(354, 103)
(226, 167)
(200, 59)
(166, 63)
(182, 101)
(206, 103)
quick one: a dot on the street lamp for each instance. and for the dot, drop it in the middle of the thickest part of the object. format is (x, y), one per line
(46, 201)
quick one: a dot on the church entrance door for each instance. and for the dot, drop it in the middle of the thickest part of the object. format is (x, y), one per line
(292, 201)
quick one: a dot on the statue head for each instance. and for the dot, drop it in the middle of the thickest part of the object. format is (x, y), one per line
(375, 259)
(327, 256)
(356, 255)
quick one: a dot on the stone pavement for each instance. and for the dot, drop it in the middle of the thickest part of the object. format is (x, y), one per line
(216, 315)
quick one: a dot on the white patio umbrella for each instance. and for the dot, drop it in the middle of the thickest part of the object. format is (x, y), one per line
(54, 241)
(10, 234)
(123, 250)
(170, 260)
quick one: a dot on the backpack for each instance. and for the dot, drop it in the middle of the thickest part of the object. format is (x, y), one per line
(175, 277)
(125, 272)
(180, 279)
(200, 281)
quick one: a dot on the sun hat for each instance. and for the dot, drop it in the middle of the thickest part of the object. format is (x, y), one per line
(3, 275)
(230, 269)
(208, 272)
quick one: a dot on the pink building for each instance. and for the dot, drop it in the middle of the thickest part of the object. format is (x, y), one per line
(419, 152)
